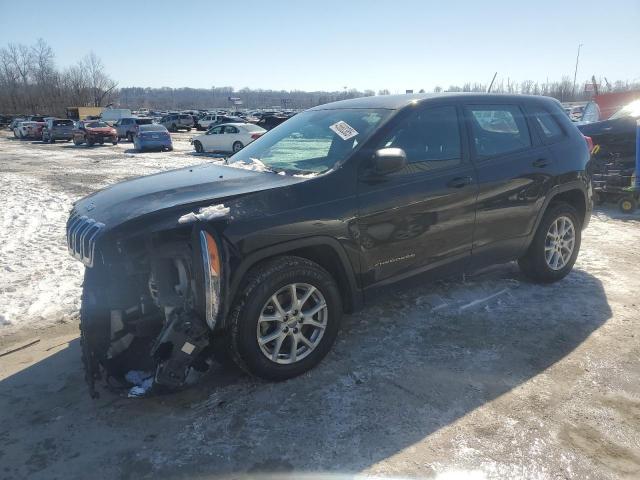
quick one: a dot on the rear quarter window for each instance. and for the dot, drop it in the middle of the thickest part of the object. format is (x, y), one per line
(550, 129)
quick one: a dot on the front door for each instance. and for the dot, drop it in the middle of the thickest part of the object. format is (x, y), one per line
(213, 139)
(422, 216)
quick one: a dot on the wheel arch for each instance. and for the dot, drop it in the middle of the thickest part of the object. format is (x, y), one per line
(576, 195)
(325, 251)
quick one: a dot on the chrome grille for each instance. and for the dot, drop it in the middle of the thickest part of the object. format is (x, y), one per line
(82, 232)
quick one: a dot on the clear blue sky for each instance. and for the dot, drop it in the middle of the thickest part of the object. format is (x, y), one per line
(314, 45)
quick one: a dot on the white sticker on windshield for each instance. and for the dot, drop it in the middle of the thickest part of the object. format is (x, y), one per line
(344, 130)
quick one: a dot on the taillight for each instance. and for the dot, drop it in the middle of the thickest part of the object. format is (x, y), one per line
(589, 141)
(255, 136)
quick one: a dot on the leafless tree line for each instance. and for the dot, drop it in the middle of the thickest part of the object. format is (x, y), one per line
(31, 83)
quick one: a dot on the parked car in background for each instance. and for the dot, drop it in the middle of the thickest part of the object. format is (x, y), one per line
(204, 123)
(178, 121)
(615, 138)
(271, 121)
(27, 129)
(91, 132)
(5, 120)
(57, 129)
(152, 136)
(228, 137)
(112, 115)
(14, 123)
(128, 127)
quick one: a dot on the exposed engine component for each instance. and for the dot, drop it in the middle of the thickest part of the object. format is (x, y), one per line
(144, 320)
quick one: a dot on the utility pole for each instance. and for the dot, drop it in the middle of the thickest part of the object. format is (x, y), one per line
(575, 74)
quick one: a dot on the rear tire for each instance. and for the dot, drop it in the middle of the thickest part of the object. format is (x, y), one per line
(287, 354)
(536, 263)
(130, 137)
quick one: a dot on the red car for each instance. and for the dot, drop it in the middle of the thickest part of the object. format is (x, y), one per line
(94, 131)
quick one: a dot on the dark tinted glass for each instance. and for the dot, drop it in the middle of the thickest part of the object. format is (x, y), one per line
(549, 126)
(431, 135)
(498, 129)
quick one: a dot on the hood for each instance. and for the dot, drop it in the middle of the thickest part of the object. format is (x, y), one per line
(180, 189)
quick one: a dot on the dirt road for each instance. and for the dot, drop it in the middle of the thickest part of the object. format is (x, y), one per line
(491, 377)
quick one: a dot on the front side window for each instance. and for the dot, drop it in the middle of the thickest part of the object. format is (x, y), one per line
(215, 130)
(498, 129)
(430, 137)
(314, 141)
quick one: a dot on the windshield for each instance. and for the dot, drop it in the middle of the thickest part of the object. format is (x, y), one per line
(631, 110)
(96, 125)
(313, 141)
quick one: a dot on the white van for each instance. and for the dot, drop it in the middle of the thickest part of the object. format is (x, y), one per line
(114, 114)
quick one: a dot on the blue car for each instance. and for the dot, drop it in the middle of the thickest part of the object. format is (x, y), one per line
(152, 137)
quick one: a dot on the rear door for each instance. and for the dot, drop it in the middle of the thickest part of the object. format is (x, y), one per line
(514, 172)
(422, 216)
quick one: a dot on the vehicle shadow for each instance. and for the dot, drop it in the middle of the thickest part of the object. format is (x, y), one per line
(412, 363)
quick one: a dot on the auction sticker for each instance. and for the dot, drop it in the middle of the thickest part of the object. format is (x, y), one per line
(344, 130)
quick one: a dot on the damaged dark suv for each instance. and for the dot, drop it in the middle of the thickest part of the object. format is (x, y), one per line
(260, 256)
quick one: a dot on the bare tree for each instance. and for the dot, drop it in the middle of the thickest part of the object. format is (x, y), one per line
(100, 84)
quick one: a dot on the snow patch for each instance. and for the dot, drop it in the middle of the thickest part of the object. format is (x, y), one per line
(142, 382)
(306, 175)
(254, 165)
(205, 214)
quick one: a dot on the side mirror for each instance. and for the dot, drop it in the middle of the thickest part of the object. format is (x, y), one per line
(389, 160)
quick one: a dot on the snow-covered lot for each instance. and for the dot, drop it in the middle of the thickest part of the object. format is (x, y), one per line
(491, 377)
(39, 281)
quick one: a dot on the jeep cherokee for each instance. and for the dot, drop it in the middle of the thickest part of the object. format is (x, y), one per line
(261, 255)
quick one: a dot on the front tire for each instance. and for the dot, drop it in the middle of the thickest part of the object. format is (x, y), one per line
(555, 246)
(285, 319)
(198, 146)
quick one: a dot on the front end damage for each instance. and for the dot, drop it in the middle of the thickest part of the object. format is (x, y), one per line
(149, 306)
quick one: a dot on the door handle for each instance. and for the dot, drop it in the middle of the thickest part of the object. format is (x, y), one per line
(459, 182)
(541, 163)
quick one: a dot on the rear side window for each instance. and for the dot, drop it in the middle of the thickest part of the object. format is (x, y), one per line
(498, 129)
(430, 137)
(549, 126)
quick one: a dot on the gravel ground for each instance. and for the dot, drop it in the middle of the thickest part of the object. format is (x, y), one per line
(490, 377)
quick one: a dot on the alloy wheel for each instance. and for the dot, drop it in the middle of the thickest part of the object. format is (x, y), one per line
(292, 323)
(559, 243)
